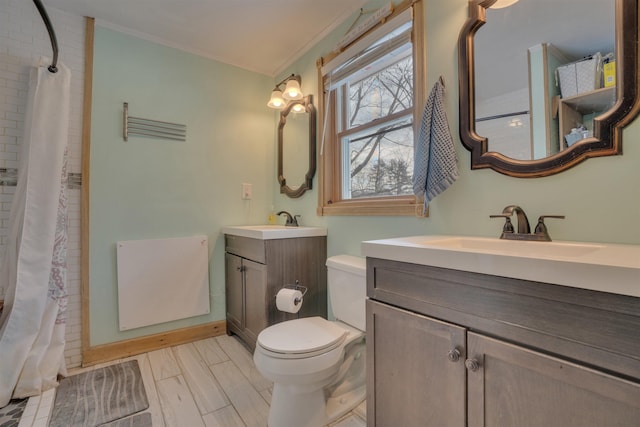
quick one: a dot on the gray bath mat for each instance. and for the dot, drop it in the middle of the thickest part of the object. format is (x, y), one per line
(99, 396)
(10, 414)
(139, 420)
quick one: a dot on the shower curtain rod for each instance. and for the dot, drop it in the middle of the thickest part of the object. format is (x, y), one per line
(52, 35)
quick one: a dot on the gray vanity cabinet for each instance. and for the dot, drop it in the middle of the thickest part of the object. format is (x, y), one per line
(451, 348)
(247, 310)
(411, 366)
(234, 286)
(515, 386)
(256, 269)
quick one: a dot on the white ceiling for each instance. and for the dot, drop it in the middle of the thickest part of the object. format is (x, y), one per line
(267, 36)
(264, 36)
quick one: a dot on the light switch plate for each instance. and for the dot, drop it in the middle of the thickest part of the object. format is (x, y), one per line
(246, 191)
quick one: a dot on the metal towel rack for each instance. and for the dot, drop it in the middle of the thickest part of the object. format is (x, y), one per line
(153, 128)
(52, 35)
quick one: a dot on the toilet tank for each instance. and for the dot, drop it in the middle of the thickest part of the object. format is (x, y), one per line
(347, 285)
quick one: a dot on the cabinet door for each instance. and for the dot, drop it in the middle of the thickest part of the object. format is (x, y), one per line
(255, 298)
(514, 386)
(412, 378)
(234, 290)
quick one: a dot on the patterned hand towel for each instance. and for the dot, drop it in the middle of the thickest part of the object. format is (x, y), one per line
(435, 165)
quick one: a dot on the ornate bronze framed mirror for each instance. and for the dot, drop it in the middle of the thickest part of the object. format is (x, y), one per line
(548, 149)
(296, 141)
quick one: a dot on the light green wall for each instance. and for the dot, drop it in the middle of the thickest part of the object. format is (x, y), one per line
(153, 189)
(148, 188)
(599, 197)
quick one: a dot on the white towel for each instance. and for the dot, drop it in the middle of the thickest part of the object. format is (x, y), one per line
(435, 165)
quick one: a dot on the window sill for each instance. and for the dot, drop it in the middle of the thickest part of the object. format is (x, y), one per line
(373, 207)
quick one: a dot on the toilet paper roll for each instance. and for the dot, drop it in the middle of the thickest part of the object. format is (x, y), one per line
(286, 300)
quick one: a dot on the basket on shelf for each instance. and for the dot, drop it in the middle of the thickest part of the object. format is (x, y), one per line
(580, 76)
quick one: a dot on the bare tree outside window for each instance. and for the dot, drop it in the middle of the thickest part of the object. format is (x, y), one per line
(370, 90)
(381, 153)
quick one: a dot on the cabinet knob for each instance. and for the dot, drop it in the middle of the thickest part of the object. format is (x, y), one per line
(454, 355)
(240, 268)
(472, 364)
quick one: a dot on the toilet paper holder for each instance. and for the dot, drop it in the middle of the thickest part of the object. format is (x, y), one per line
(298, 287)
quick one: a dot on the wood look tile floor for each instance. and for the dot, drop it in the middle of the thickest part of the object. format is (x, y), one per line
(208, 383)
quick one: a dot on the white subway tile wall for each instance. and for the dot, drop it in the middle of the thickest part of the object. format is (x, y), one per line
(23, 41)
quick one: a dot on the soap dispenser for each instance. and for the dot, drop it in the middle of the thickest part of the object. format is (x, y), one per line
(272, 217)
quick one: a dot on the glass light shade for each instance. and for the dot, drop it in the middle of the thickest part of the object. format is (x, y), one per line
(292, 91)
(298, 108)
(502, 3)
(276, 101)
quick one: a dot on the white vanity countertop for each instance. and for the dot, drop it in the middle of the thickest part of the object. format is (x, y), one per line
(266, 232)
(597, 266)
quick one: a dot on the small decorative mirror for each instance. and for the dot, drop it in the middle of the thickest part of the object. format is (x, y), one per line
(297, 141)
(533, 99)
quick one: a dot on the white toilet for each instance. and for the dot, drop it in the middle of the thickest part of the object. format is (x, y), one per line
(318, 366)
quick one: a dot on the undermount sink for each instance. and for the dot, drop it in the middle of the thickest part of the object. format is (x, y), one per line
(597, 266)
(266, 232)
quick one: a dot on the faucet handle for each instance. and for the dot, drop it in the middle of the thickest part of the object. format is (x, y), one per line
(541, 228)
(295, 220)
(508, 226)
(542, 217)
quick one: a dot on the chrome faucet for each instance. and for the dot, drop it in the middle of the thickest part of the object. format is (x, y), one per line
(540, 234)
(292, 220)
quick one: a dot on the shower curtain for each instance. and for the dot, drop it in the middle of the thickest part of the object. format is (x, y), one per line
(33, 271)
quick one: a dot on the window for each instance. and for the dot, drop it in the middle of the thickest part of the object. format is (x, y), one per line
(368, 120)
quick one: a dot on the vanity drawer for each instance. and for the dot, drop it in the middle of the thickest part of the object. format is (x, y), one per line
(597, 328)
(246, 247)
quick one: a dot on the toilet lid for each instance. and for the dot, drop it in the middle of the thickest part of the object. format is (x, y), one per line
(299, 336)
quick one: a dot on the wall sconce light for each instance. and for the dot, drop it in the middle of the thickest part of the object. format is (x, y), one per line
(499, 4)
(292, 92)
(299, 108)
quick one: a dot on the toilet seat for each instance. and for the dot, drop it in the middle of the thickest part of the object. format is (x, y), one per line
(301, 338)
